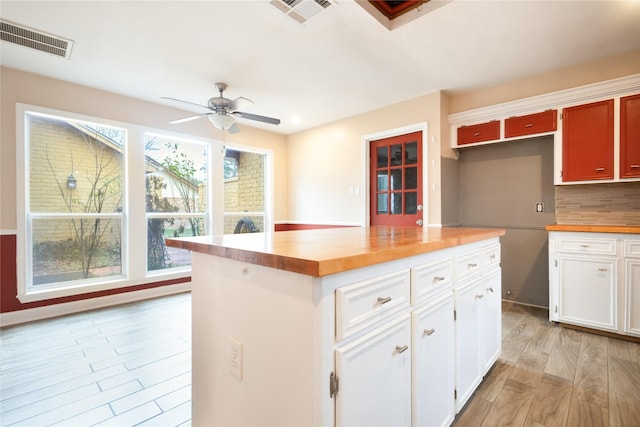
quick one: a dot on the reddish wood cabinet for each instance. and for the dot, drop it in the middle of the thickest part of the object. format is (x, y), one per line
(630, 136)
(479, 133)
(530, 124)
(587, 142)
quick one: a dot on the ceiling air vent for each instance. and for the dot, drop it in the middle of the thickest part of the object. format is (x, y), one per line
(34, 39)
(301, 10)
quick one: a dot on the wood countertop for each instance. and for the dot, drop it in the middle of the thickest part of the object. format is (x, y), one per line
(332, 250)
(595, 228)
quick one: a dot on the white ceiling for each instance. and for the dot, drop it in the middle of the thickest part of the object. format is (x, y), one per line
(340, 63)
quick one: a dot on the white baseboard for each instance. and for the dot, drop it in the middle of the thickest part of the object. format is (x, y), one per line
(39, 313)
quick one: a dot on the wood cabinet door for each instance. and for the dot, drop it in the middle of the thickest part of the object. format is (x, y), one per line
(587, 142)
(375, 377)
(630, 136)
(433, 363)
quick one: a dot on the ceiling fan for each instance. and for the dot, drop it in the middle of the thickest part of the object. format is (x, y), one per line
(223, 111)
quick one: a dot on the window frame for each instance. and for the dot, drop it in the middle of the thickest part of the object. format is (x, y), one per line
(134, 215)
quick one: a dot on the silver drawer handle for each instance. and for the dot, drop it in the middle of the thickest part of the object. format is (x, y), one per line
(490, 290)
(602, 269)
(471, 265)
(529, 125)
(584, 246)
(437, 279)
(383, 300)
(479, 296)
(599, 169)
(428, 332)
(476, 134)
(634, 166)
(402, 348)
(492, 257)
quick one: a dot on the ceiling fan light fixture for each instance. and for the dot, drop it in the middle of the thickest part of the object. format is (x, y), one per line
(221, 121)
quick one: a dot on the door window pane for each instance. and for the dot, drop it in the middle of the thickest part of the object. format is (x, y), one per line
(411, 202)
(396, 179)
(383, 201)
(383, 181)
(411, 150)
(396, 203)
(383, 157)
(411, 178)
(397, 155)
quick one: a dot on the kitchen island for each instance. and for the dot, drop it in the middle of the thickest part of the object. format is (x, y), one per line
(325, 327)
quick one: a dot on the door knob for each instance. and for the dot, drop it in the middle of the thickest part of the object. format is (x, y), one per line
(420, 207)
(419, 222)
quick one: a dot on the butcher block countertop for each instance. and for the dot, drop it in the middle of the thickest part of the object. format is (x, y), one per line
(332, 250)
(595, 228)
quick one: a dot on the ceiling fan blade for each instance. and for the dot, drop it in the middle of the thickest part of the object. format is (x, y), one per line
(187, 119)
(239, 103)
(257, 118)
(185, 102)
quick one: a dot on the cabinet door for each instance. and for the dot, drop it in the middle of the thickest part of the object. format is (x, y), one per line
(375, 377)
(587, 142)
(492, 315)
(468, 304)
(632, 290)
(433, 363)
(588, 291)
(630, 136)
(479, 133)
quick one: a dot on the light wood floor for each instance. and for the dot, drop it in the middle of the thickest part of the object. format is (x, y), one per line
(131, 365)
(549, 376)
(122, 366)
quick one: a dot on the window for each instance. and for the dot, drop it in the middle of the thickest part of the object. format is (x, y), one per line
(74, 221)
(175, 193)
(96, 199)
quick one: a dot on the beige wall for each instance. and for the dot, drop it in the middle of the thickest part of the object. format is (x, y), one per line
(326, 161)
(608, 68)
(20, 87)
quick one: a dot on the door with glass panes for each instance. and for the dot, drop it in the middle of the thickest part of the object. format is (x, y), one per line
(396, 180)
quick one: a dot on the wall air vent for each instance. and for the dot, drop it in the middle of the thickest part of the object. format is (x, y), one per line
(34, 39)
(301, 10)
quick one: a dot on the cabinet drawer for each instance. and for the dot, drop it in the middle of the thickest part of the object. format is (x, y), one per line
(468, 264)
(479, 133)
(587, 246)
(491, 255)
(366, 303)
(632, 248)
(531, 124)
(428, 279)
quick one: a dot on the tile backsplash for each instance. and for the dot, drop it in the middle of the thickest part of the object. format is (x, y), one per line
(598, 204)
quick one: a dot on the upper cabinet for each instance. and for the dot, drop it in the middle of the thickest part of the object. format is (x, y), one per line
(587, 142)
(531, 124)
(630, 136)
(595, 129)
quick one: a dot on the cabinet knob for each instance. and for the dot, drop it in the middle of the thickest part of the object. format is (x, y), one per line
(402, 348)
(383, 300)
(472, 265)
(428, 332)
(479, 296)
(437, 279)
(490, 290)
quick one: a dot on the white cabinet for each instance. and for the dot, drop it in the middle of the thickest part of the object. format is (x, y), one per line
(478, 320)
(375, 377)
(433, 362)
(632, 287)
(594, 280)
(468, 303)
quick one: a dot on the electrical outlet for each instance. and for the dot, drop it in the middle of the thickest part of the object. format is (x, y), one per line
(235, 358)
(539, 207)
